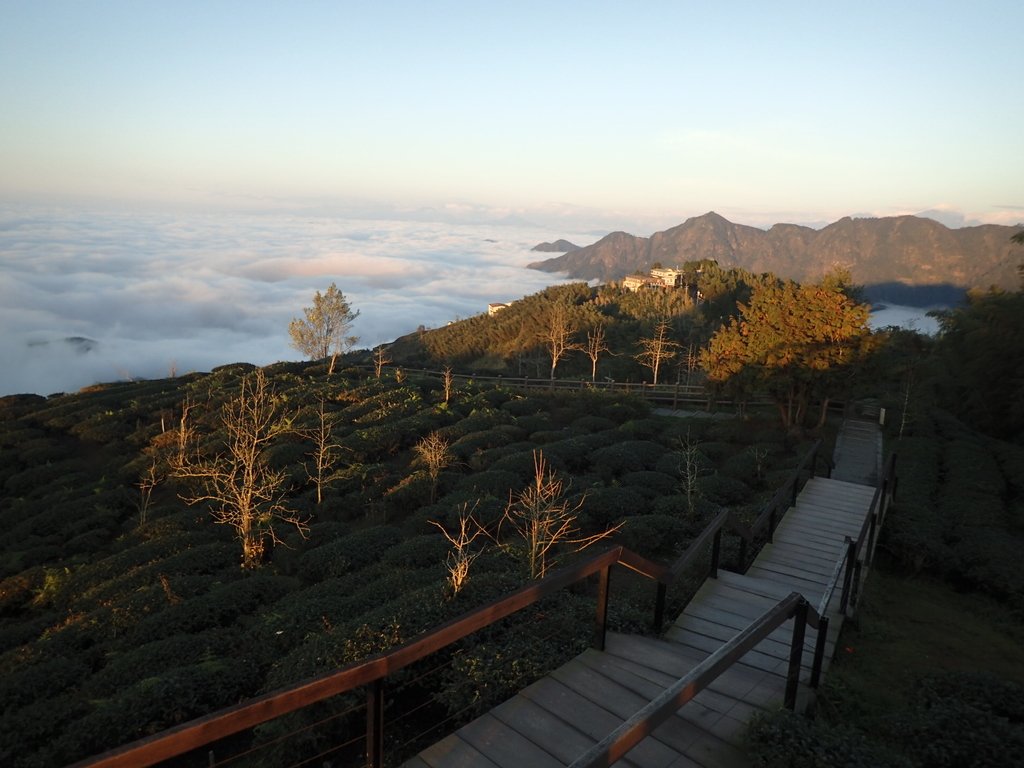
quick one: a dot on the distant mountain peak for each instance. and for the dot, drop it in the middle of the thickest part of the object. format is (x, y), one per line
(899, 249)
(559, 246)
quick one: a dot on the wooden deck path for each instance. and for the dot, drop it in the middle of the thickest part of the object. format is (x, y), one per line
(556, 719)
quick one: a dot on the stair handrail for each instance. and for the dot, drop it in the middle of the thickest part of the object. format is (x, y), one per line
(642, 723)
(861, 552)
(372, 670)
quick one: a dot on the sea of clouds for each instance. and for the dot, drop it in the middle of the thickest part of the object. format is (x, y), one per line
(99, 296)
(95, 296)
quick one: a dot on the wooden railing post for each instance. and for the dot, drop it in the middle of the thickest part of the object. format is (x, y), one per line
(601, 619)
(716, 549)
(855, 588)
(851, 559)
(819, 650)
(872, 528)
(771, 524)
(659, 606)
(375, 724)
(795, 655)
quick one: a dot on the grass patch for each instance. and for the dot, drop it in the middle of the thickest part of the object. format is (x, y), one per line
(907, 629)
(926, 677)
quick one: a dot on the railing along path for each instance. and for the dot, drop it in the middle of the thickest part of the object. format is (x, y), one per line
(372, 673)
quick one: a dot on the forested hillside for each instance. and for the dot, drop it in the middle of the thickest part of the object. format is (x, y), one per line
(893, 251)
(139, 588)
(125, 610)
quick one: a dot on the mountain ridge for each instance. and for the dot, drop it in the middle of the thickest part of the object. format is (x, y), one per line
(911, 250)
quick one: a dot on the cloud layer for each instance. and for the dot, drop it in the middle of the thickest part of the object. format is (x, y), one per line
(154, 292)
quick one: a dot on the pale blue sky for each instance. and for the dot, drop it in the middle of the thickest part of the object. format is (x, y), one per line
(762, 111)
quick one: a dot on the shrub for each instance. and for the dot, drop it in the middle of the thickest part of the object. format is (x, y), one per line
(522, 406)
(603, 506)
(624, 409)
(349, 553)
(159, 702)
(655, 534)
(741, 466)
(45, 678)
(723, 490)
(522, 465)
(543, 436)
(783, 739)
(650, 484)
(411, 492)
(467, 445)
(716, 452)
(591, 424)
(963, 720)
(127, 668)
(576, 452)
(626, 456)
(220, 607)
(533, 422)
(643, 429)
(494, 482)
(416, 552)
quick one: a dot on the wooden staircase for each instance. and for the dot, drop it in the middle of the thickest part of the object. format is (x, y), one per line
(554, 721)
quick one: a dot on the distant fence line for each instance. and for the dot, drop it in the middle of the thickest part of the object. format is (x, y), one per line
(671, 395)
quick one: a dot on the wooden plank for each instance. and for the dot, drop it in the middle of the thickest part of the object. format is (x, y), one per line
(811, 590)
(554, 736)
(664, 663)
(705, 717)
(813, 568)
(788, 573)
(738, 623)
(592, 719)
(676, 732)
(755, 585)
(724, 694)
(810, 519)
(503, 745)
(802, 551)
(815, 513)
(453, 752)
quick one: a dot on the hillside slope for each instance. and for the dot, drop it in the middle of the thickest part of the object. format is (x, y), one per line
(900, 249)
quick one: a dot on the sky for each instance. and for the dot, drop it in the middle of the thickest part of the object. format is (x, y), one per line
(177, 179)
(640, 114)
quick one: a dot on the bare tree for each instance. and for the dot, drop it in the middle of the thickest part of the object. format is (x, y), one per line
(691, 360)
(691, 468)
(557, 334)
(448, 380)
(380, 359)
(657, 349)
(461, 556)
(760, 456)
(433, 451)
(596, 345)
(544, 519)
(326, 451)
(324, 331)
(243, 491)
(150, 479)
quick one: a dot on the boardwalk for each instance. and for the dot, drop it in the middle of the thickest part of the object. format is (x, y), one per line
(558, 718)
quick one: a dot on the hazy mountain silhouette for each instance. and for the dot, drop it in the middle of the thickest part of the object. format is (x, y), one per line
(559, 246)
(904, 250)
